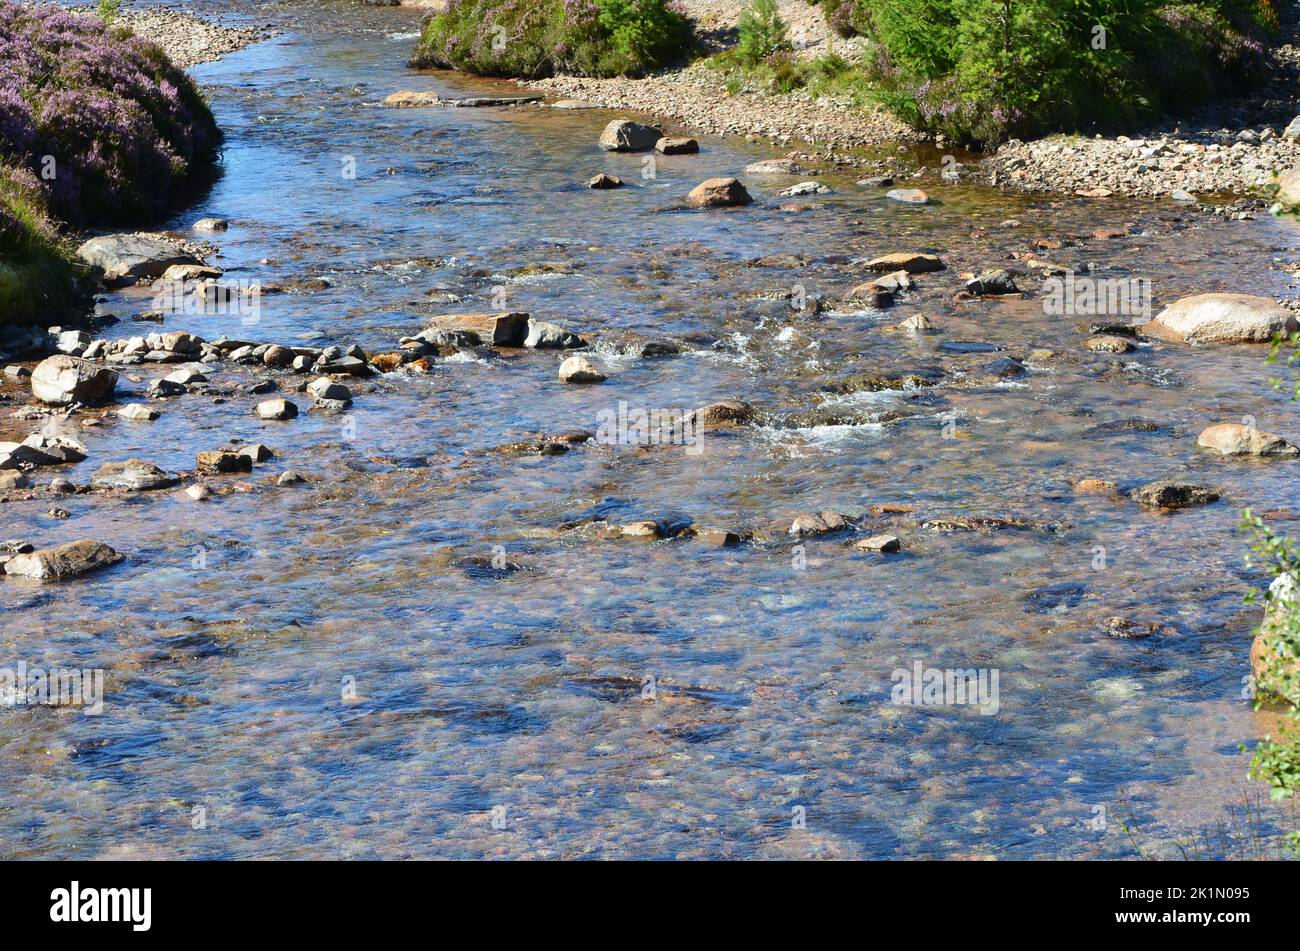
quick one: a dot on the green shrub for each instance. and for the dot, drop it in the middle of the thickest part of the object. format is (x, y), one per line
(982, 70)
(536, 38)
(762, 33)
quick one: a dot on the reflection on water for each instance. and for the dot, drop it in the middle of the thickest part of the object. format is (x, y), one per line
(334, 670)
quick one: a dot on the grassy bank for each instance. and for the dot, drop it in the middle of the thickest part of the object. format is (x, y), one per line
(982, 71)
(40, 279)
(537, 38)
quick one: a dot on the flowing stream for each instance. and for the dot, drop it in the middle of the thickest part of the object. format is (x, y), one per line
(337, 670)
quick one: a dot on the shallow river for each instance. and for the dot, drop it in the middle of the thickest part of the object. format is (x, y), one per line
(336, 670)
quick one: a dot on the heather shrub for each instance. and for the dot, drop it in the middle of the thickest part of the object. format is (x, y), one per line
(980, 71)
(536, 38)
(847, 17)
(113, 132)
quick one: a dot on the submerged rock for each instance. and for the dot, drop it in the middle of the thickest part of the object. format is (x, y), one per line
(817, 523)
(134, 475)
(722, 414)
(908, 196)
(882, 543)
(223, 460)
(1234, 439)
(1169, 494)
(62, 562)
(776, 166)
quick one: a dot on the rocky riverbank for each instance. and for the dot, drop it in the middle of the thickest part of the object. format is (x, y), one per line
(187, 38)
(1233, 148)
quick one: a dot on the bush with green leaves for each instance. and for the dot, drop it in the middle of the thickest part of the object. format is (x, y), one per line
(762, 33)
(538, 38)
(980, 71)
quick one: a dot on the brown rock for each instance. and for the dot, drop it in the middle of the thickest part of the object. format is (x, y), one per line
(222, 460)
(1234, 439)
(63, 561)
(718, 193)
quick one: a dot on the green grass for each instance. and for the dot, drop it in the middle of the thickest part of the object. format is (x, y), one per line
(41, 280)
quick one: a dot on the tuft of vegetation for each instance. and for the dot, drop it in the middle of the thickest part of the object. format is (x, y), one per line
(762, 33)
(538, 38)
(40, 278)
(108, 10)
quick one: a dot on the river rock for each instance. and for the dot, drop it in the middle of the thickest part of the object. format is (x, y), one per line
(718, 193)
(817, 523)
(720, 537)
(882, 543)
(61, 380)
(912, 263)
(497, 330)
(998, 281)
(186, 376)
(776, 166)
(72, 342)
(917, 323)
(1169, 494)
(543, 335)
(289, 477)
(12, 479)
(323, 388)
(126, 258)
(211, 224)
(277, 409)
(723, 414)
(677, 145)
(603, 182)
(410, 98)
(134, 475)
(804, 188)
(223, 460)
(578, 369)
(1222, 318)
(199, 493)
(1234, 439)
(137, 411)
(62, 562)
(1108, 343)
(908, 196)
(624, 135)
(276, 356)
(56, 449)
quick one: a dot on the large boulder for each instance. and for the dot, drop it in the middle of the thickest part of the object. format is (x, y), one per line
(63, 561)
(62, 380)
(1234, 439)
(126, 258)
(718, 193)
(1222, 318)
(624, 135)
(498, 330)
